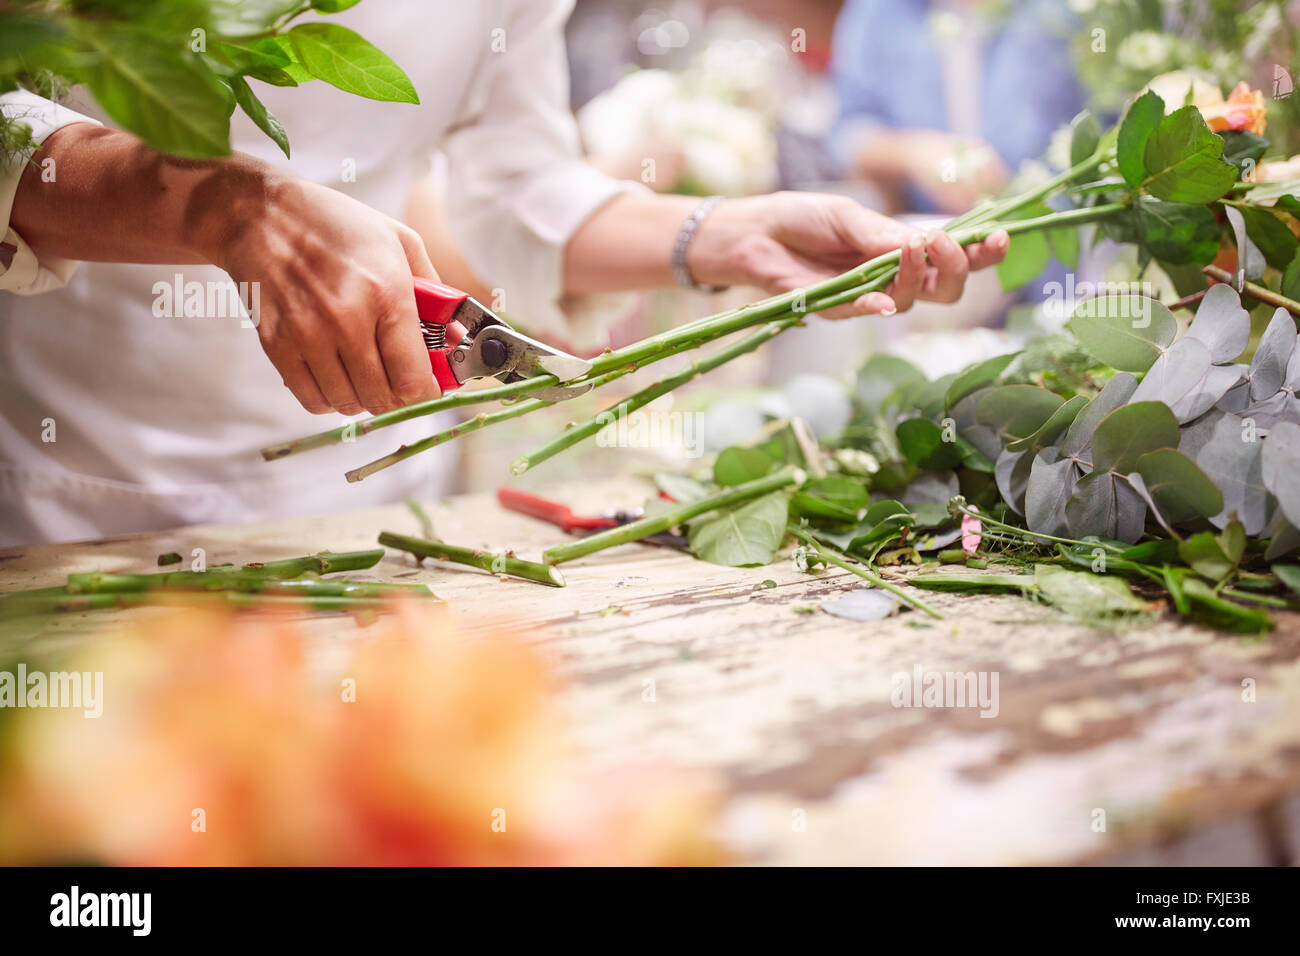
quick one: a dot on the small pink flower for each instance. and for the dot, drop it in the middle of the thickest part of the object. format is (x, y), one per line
(971, 530)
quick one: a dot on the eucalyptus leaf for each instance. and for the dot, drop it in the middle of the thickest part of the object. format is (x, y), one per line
(1012, 475)
(1106, 506)
(1217, 382)
(1175, 373)
(1221, 323)
(1280, 468)
(1048, 490)
(1230, 456)
(745, 536)
(1250, 260)
(864, 604)
(1116, 392)
(1130, 432)
(1177, 485)
(1276, 346)
(1127, 332)
(1016, 411)
(1051, 429)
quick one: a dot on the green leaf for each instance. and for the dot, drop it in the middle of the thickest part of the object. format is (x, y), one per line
(923, 443)
(1207, 555)
(832, 497)
(1221, 613)
(973, 581)
(883, 376)
(977, 376)
(737, 465)
(165, 96)
(1065, 245)
(1178, 233)
(1027, 256)
(1182, 159)
(344, 59)
(1178, 486)
(1288, 574)
(680, 488)
(1242, 148)
(332, 6)
(1127, 332)
(1084, 138)
(259, 114)
(1085, 594)
(1291, 278)
(1271, 236)
(1128, 433)
(251, 56)
(1139, 122)
(744, 536)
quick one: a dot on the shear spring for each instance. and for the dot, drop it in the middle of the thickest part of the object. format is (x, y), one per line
(435, 335)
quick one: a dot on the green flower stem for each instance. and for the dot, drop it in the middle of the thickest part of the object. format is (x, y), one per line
(840, 560)
(242, 582)
(997, 210)
(501, 563)
(46, 601)
(662, 521)
(456, 399)
(577, 433)
(323, 563)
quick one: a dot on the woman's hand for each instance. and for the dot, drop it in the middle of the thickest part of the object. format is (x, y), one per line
(789, 241)
(337, 317)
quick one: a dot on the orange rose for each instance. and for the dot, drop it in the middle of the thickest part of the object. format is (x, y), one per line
(231, 740)
(1242, 110)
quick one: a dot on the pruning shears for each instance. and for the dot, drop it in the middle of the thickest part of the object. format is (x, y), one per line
(467, 341)
(562, 516)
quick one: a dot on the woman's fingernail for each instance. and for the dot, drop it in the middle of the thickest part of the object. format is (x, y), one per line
(889, 311)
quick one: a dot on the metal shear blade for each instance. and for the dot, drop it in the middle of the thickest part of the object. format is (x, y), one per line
(499, 351)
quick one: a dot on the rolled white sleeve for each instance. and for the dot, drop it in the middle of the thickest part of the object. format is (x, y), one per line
(517, 186)
(21, 271)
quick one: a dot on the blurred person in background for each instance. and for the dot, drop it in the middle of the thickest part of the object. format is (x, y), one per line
(941, 100)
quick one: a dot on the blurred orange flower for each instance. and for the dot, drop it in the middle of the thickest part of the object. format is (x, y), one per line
(223, 743)
(1243, 110)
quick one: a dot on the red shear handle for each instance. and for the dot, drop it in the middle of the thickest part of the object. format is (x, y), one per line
(437, 303)
(551, 511)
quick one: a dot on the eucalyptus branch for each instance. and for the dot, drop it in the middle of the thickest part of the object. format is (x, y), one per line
(670, 517)
(1254, 290)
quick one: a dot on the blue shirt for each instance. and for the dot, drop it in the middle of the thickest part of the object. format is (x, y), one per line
(886, 67)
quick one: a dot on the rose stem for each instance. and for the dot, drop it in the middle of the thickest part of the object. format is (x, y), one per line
(500, 563)
(653, 524)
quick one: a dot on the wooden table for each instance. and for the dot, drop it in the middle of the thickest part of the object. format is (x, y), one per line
(668, 658)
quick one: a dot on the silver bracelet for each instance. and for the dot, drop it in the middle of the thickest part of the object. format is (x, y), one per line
(681, 272)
